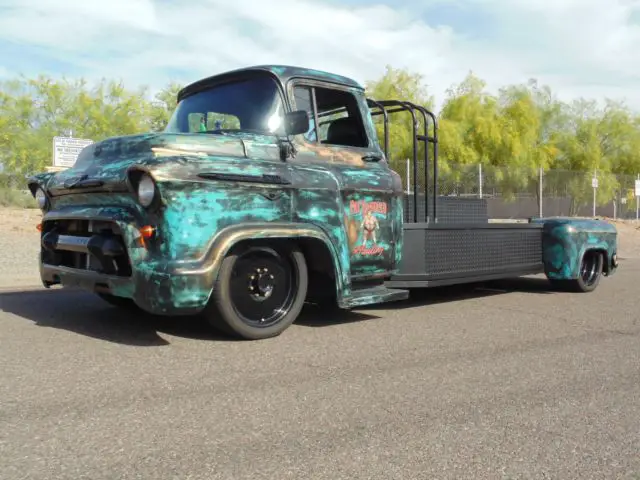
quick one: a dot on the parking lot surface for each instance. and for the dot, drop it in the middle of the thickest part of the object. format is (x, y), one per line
(504, 380)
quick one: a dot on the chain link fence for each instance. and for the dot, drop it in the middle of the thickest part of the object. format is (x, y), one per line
(516, 193)
(510, 193)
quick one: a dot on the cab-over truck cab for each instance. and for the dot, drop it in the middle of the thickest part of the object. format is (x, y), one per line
(269, 188)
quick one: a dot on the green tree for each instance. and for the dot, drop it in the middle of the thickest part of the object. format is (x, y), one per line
(511, 133)
(33, 111)
(163, 105)
(470, 134)
(529, 118)
(400, 84)
(601, 142)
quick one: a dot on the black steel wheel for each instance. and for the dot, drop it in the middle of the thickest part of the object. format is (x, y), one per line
(589, 275)
(259, 292)
(590, 270)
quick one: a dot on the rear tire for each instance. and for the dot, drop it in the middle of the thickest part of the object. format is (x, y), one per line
(589, 276)
(259, 292)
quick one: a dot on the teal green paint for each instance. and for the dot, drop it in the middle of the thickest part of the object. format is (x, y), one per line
(369, 125)
(105, 200)
(398, 230)
(369, 269)
(285, 72)
(372, 178)
(194, 210)
(192, 218)
(565, 240)
(313, 192)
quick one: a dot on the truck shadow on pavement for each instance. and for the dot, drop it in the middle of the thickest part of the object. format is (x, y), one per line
(461, 292)
(85, 314)
(314, 316)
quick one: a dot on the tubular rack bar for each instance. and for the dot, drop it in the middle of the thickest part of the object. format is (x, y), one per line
(387, 107)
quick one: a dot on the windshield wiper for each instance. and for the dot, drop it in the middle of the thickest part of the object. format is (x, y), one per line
(226, 131)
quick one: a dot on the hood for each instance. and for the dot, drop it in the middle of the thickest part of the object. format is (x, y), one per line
(103, 166)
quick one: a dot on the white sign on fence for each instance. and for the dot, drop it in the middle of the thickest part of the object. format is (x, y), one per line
(594, 182)
(637, 188)
(67, 149)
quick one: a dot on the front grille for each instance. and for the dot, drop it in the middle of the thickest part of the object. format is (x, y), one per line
(116, 265)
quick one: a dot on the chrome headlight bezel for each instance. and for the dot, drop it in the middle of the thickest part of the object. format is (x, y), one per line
(146, 190)
(41, 198)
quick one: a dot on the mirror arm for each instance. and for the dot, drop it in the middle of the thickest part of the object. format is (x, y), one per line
(287, 148)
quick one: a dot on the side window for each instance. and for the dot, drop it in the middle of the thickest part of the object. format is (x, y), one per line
(304, 101)
(339, 119)
(326, 119)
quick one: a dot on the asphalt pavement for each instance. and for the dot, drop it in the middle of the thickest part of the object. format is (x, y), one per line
(505, 380)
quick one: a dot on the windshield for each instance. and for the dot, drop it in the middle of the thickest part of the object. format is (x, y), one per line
(252, 105)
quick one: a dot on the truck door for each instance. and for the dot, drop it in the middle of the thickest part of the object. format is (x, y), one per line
(340, 156)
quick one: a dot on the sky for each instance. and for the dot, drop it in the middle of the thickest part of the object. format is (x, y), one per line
(580, 48)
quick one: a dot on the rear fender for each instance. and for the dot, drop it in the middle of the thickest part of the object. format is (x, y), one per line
(565, 242)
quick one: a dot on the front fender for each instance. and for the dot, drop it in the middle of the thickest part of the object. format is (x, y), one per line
(39, 180)
(208, 266)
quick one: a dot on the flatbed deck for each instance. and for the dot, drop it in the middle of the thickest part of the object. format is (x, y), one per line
(437, 254)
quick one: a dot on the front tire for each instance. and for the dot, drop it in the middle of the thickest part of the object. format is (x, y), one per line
(259, 292)
(589, 276)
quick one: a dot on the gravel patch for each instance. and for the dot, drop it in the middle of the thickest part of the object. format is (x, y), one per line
(19, 242)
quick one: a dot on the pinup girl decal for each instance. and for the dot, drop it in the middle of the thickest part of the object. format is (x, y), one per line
(366, 229)
(369, 226)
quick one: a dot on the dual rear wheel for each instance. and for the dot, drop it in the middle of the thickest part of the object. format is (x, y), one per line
(589, 275)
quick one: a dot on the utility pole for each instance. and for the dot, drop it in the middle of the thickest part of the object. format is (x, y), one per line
(637, 198)
(408, 177)
(594, 184)
(540, 193)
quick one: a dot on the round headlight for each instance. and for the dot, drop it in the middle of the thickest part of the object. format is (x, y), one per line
(146, 191)
(41, 198)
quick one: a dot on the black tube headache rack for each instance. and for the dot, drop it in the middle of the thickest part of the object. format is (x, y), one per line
(386, 107)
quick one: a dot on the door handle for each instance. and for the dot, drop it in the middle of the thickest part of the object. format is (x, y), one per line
(372, 157)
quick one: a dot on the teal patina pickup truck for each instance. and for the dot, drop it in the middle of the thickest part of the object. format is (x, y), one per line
(269, 188)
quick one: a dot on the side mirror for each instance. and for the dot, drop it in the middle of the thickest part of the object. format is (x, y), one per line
(296, 122)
